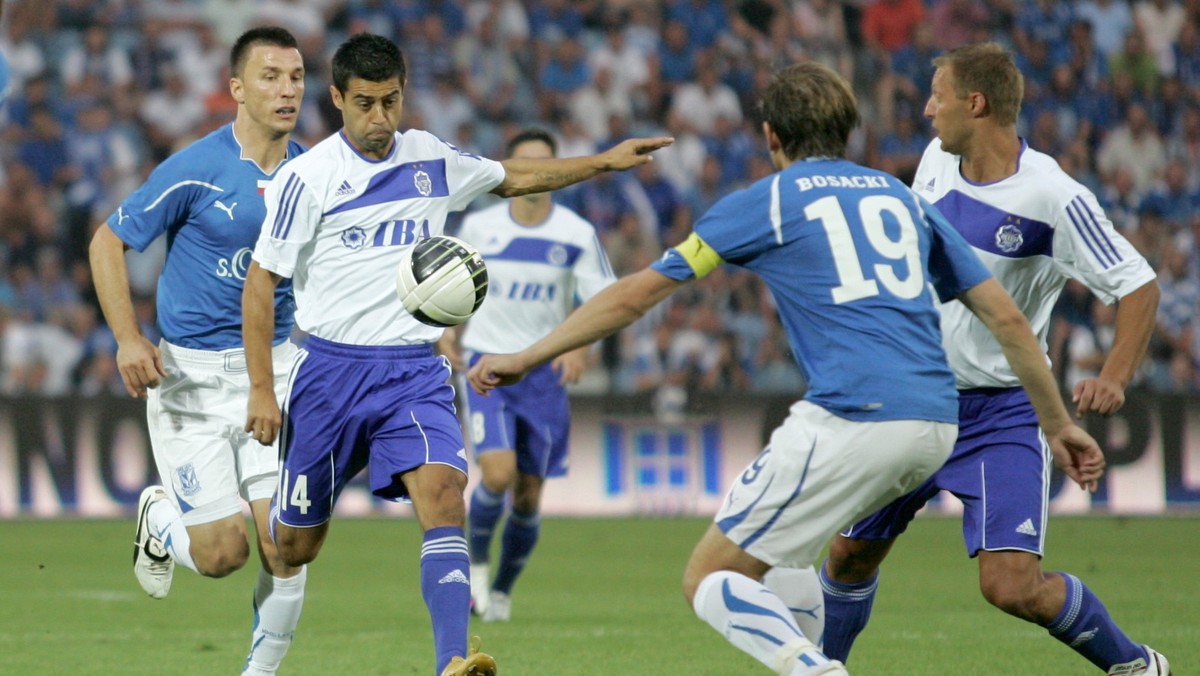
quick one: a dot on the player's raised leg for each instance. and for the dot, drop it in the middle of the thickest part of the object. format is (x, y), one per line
(521, 534)
(721, 584)
(849, 578)
(800, 590)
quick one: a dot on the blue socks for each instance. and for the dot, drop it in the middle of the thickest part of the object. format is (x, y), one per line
(520, 536)
(486, 509)
(446, 588)
(847, 609)
(1085, 625)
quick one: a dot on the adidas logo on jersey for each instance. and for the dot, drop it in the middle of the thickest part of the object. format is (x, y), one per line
(344, 189)
(929, 185)
(455, 575)
(1026, 528)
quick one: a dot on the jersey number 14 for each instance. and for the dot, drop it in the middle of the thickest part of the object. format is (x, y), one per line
(903, 252)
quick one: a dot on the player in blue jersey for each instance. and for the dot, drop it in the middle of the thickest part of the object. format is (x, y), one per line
(542, 260)
(367, 387)
(207, 200)
(850, 255)
(1034, 227)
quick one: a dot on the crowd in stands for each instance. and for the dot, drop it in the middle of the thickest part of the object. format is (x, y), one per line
(102, 90)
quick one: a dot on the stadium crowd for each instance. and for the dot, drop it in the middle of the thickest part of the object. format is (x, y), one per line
(102, 90)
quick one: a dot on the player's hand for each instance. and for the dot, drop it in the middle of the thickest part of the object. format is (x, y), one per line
(1078, 455)
(1097, 395)
(263, 418)
(633, 152)
(141, 366)
(495, 370)
(570, 366)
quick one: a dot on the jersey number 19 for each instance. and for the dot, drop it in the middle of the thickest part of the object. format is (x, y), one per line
(904, 251)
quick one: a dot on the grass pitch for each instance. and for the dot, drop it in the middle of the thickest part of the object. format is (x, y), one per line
(600, 597)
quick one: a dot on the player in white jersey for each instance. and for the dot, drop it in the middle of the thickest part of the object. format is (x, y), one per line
(367, 386)
(542, 260)
(207, 199)
(1034, 227)
(853, 259)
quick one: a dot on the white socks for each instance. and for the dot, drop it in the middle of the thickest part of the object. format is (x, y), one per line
(757, 622)
(166, 523)
(277, 605)
(800, 590)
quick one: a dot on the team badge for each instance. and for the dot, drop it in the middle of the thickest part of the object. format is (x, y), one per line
(189, 483)
(354, 238)
(423, 183)
(1009, 238)
(557, 255)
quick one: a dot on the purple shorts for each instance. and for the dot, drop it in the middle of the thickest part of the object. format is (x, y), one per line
(1000, 469)
(349, 407)
(532, 418)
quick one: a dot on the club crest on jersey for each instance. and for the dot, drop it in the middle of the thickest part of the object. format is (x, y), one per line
(189, 483)
(1009, 238)
(423, 183)
(354, 238)
(557, 255)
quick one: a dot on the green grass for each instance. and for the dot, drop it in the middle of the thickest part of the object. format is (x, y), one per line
(600, 597)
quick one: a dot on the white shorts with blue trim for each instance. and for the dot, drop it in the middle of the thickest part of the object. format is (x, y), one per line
(821, 473)
(196, 417)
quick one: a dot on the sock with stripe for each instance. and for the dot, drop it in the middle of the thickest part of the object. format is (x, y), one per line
(800, 590)
(447, 590)
(1086, 627)
(755, 621)
(166, 523)
(486, 509)
(277, 605)
(520, 536)
(847, 610)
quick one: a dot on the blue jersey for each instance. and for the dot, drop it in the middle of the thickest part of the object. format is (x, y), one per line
(209, 202)
(850, 255)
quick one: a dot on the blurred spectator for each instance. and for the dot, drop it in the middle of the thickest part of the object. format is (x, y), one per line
(888, 25)
(676, 56)
(444, 107)
(171, 114)
(627, 66)
(665, 202)
(732, 146)
(1160, 22)
(1136, 62)
(705, 19)
(1176, 326)
(596, 102)
(1136, 146)
(108, 66)
(1110, 21)
(682, 161)
(954, 21)
(702, 102)
(490, 76)
(45, 149)
(900, 150)
(565, 73)
(553, 20)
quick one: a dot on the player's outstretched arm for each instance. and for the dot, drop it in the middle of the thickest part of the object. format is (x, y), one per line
(528, 175)
(1075, 452)
(614, 308)
(1136, 314)
(138, 360)
(263, 418)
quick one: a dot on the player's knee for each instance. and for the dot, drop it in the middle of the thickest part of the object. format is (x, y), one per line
(1013, 595)
(851, 561)
(221, 560)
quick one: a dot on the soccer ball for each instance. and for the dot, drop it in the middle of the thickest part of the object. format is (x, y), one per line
(442, 281)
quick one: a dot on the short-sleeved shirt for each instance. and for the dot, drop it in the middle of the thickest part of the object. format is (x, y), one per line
(338, 222)
(852, 257)
(1033, 230)
(536, 275)
(208, 200)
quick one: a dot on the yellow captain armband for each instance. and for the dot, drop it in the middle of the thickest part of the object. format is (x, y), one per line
(700, 257)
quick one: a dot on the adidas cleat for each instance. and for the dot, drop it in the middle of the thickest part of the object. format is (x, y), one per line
(474, 664)
(152, 565)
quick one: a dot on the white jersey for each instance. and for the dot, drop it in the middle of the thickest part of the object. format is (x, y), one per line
(1033, 230)
(337, 223)
(536, 275)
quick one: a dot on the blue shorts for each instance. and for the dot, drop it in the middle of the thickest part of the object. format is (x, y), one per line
(532, 418)
(351, 406)
(1000, 469)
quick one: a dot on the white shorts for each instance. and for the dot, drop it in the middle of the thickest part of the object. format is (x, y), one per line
(821, 473)
(196, 416)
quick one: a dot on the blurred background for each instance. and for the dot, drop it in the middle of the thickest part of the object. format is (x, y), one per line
(102, 90)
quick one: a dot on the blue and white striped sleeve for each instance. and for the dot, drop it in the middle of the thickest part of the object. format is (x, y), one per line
(1089, 249)
(291, 222)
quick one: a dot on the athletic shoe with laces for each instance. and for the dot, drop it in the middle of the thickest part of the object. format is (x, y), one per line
(499, 607)
(474, 664)
(1155, 664)
(152, 565)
